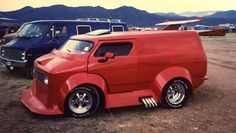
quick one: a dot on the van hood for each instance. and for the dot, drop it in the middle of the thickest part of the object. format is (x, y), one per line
(22, 43)
(59, 62)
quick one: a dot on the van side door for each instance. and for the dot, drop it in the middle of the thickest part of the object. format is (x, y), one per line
(119, 72)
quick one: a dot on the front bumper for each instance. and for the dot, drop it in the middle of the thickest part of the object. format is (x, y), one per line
(36, 106)
(15, 63)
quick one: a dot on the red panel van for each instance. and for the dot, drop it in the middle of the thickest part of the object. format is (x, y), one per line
(117, 69)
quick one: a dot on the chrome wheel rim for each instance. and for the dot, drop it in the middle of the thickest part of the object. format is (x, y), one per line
(176, 93)
(80, 102)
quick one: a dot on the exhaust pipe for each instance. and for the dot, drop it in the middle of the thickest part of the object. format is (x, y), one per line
(149, 102)
(145, 103)
(155, 103)
(152, 105)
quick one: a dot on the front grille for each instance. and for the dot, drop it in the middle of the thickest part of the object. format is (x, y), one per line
(39, 76)
(13, 54)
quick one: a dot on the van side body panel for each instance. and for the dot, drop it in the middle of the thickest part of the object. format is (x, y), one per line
(164, 57)
(164, 51)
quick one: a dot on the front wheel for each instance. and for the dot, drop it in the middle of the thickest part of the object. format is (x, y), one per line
(175, 94)
(82, 102)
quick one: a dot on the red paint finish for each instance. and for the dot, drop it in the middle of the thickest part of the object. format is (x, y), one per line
(154, 60)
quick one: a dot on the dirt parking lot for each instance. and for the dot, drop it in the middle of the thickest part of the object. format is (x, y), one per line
(213, 108)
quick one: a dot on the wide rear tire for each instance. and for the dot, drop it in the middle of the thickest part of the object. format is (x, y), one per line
(175, 94)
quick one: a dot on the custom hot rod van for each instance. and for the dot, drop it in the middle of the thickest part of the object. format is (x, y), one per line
(103, 69)
(38, 38)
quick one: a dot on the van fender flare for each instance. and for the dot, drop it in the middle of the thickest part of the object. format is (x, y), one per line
(167, 75)
(80, 79)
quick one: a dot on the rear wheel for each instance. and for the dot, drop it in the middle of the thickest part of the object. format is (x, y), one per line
(175, 94)
(82, 102)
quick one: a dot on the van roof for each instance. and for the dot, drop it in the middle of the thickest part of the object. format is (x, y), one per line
(128, 35)
(71, 21)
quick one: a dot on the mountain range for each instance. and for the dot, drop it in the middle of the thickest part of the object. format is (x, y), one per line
(130, 15)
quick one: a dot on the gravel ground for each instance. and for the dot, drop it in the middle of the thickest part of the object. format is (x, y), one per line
(213, 109)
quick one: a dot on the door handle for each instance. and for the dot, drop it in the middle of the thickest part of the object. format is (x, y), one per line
(102, 60)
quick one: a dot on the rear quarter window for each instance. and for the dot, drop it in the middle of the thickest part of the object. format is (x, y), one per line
(117, 28)
(82, 29)
(118, 49)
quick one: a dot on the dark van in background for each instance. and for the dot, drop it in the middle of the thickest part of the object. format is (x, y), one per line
(37, 38)
(7, 26)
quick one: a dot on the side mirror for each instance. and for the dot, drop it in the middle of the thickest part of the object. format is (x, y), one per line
(48, 35)
(108, 55)
(57, 33)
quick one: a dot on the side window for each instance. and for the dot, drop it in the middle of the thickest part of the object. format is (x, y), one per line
(60, 30)
(82, 29)
(117, 28)
(119, 49)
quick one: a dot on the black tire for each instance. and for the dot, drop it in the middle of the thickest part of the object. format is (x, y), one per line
(72, 101)
(29, 72)
(12, 69)
(170, 96)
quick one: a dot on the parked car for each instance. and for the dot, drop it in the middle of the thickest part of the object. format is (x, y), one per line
(102, 69)
(7, 26)
(10, 36)
(37, 38)
(7, 38)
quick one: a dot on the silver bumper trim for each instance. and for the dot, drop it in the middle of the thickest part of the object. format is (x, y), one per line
(18, 61)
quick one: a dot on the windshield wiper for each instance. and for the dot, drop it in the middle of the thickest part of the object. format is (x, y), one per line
(23, 36)
(28, 36)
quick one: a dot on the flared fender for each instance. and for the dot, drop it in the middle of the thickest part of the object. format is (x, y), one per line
(168, 74)
(80, 79)
(84, 78)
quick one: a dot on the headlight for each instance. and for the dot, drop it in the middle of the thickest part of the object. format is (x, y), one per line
(45, 81)
(23, 56)
(2, 53)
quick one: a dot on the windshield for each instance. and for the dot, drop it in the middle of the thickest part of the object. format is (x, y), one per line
(77, 46)
(33, 30)
(22, 26)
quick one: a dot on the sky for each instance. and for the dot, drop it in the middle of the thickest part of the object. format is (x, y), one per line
(177, 6)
